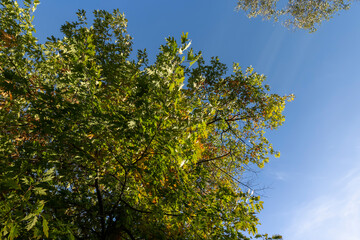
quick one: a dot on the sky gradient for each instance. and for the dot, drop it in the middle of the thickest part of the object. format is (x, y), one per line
(313, 189)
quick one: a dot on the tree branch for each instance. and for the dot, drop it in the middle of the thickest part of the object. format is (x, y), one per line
(148, 212)
(212, 159)
(128, 232)
(101, 208)
(233, 178)
(147, 147)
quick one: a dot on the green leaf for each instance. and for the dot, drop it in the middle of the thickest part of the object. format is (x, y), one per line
(14, 231)
(45, 227)
(31, 223)
(39, 191)
(27, 217)
(184, 37)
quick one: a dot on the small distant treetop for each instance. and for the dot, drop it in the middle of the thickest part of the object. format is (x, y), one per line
(303, 14)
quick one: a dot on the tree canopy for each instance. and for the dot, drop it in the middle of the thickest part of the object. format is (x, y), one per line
(305, 14)
(96, 143)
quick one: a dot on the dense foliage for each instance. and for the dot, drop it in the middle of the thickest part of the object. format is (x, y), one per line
(96, 144)
(306, 14)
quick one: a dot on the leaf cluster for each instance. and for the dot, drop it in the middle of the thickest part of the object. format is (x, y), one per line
(301, 14)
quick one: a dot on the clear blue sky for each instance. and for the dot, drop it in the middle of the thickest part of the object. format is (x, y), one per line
(314, 188)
